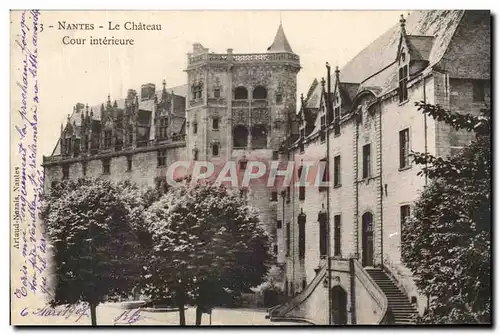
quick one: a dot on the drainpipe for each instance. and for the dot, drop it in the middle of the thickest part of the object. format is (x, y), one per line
(381, 189)
(425, 129)
(356, 207)
(328, 244)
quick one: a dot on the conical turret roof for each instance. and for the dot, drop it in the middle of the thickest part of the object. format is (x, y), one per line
(280, 43)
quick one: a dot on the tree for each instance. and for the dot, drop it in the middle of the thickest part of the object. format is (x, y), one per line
(90, 224)
(447, 241)
(207, 241)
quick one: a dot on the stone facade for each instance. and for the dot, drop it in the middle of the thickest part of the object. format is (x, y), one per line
(238, 108)
(241, 107)
(369, 203)
(252, 96)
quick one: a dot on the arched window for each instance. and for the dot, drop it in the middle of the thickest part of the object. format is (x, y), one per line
(240, 136)
(259, 92)
(240, 93)
(259, 136)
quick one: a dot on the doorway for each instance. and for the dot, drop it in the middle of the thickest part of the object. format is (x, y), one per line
(367, 247)
(339, 306)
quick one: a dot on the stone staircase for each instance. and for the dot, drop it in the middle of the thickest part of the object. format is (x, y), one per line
(402, 311)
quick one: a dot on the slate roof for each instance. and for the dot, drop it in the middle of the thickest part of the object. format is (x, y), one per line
(146, 105)
(420, 47)
(381, 53)
(145, 109)
(280, 43)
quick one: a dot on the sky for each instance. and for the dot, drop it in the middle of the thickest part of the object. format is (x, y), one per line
(82, 73)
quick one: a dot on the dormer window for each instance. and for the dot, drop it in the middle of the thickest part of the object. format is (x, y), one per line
(403, 78)
(107, 139)
(163, 128)
(323, 127)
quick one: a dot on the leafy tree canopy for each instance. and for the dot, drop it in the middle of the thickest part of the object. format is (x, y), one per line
(92, 225)
(206, 239)
(446, 242)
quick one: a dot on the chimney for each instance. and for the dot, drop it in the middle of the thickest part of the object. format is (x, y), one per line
(199, 49)
(131, 94)
(148, 91)
(79, 107)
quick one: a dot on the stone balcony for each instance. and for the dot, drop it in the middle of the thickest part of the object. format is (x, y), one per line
(264, 58)
(126, 149)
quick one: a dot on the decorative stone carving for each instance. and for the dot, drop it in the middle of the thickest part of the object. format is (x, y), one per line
(240, 116)
(261, 116)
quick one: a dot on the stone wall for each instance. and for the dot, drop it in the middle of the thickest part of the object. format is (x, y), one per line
(144, 166)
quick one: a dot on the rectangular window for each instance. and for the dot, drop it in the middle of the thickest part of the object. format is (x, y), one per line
(275, 249)
(65, 170)
(288, 238)
(478, 91)
(195, 127)
(279, 98)
(301, 220)
(106, 166)
(336, 171)
(405, 213)
(243, 164)
(404, 148)
(129, 163)
(302, 189)
(302, 192)
(288, 194)
(403, 81)
(366, 161)
(86, 143)
(162, 157)
(274, 196)
(217, 93)
(278, 224)
(130, 135)
(215, 124)
(336, 236)
(107, 139)
(163, 128)
(215, 150)
(336, 121)
(323, 129)
(322, 218)
(275, 155)
(326, 174)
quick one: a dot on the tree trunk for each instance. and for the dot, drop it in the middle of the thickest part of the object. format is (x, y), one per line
(93, 315)
(182, 314)
(181, 300)
(199, 313)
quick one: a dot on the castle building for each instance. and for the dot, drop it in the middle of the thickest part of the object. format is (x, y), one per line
(438, 57)
(338, 246)
(234, 107)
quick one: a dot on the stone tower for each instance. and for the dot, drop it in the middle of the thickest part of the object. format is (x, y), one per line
(239, 107)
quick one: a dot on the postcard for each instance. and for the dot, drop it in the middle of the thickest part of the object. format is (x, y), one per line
(256, 168)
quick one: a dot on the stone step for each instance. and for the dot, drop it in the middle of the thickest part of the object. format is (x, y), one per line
(402, 307)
